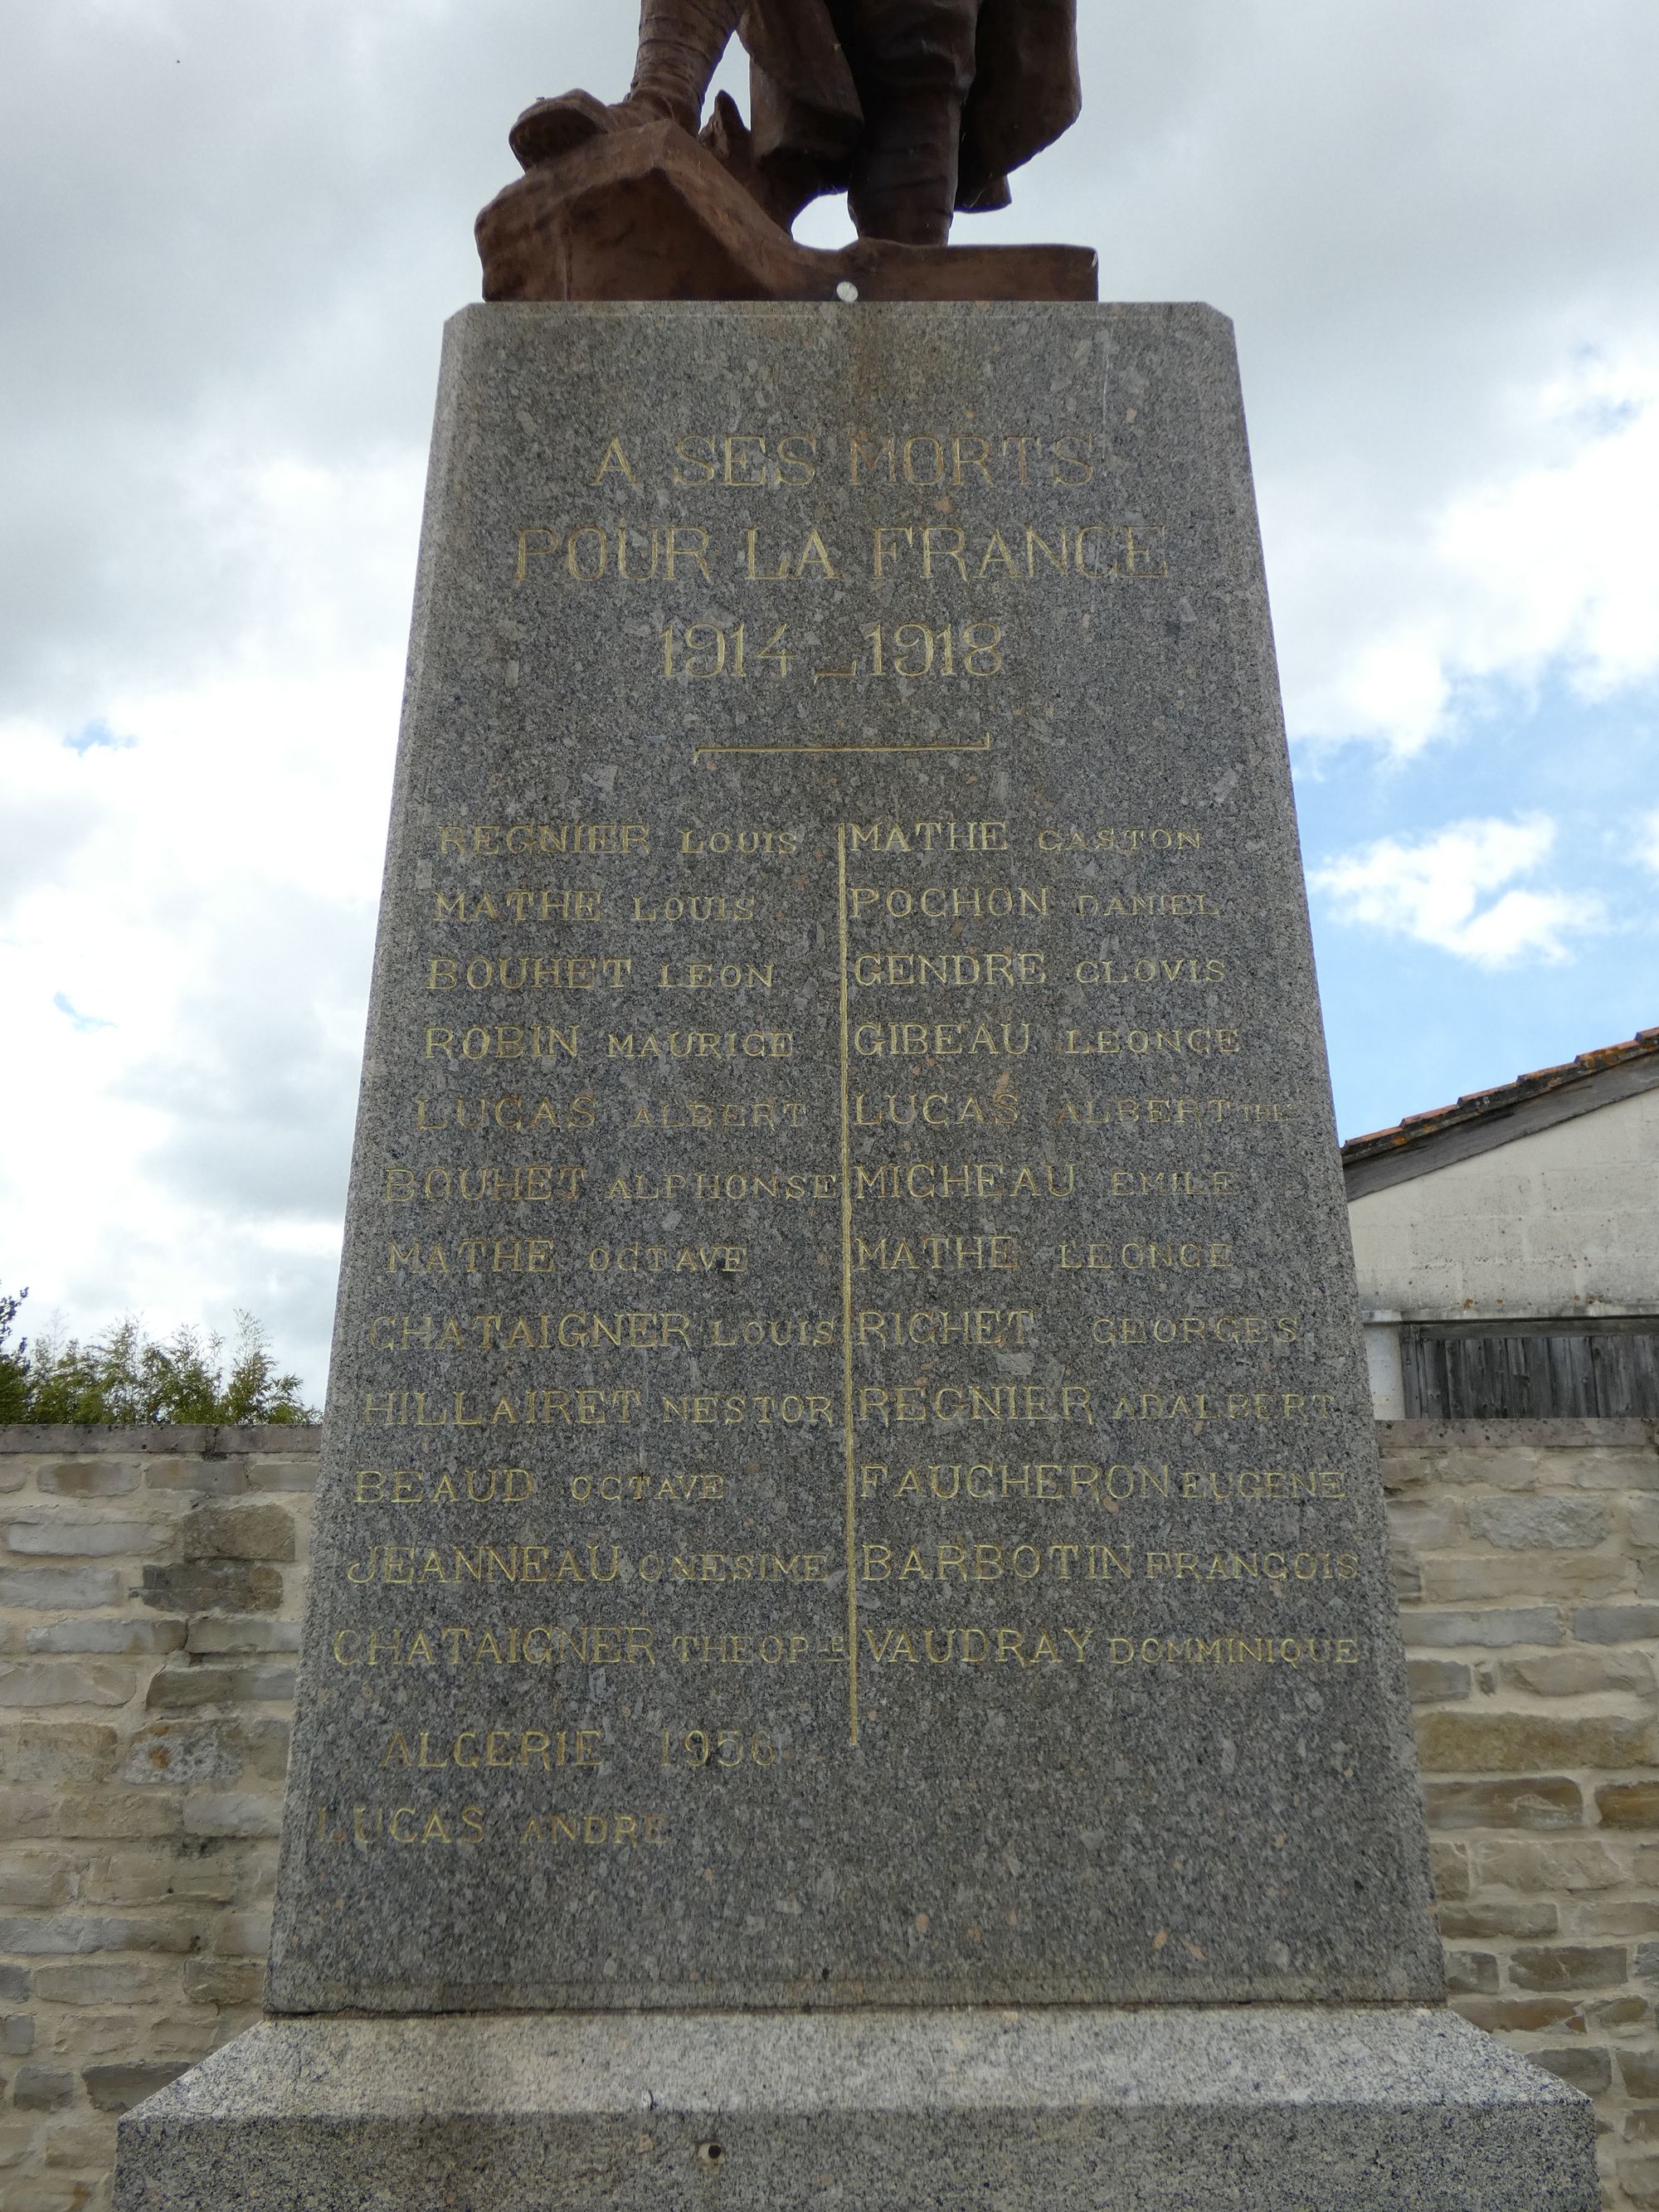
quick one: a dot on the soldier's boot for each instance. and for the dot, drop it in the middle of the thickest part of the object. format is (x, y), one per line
(681, 42)
(913, 62)
(904, 185)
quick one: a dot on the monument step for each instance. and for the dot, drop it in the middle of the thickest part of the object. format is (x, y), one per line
(1245, 2108)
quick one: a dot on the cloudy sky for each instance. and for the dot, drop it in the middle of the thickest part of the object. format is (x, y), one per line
(231, 235)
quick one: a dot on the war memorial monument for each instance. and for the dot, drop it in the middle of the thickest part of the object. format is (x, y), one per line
(851, 1661)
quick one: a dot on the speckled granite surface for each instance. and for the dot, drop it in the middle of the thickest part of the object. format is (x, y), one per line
(849, 1480)
(849, 1475)
(1167, 2109)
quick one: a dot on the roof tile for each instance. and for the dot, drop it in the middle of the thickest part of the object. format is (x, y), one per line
(1502, 1098)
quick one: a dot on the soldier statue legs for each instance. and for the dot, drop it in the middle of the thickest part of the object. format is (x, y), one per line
(912, 62)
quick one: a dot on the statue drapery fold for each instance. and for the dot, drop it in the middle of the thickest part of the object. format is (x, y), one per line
(805, 104)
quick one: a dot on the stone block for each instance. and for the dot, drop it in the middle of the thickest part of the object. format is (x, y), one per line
(210, 1636)
(1471, 1972)
(60, 1589)
(1491, 1466)
(1616, 1916)
(1500, 1628)
(58, 1538)
(36, 1882)
(16, 2035)
(1574, 1864)
(60, 1751)
(1639, 2072)
(127, 1982)
(69, 1935)
(224, 1981)
(188, 1686)
(42, 1682)
(1628, 1804)
(1639, 2179)
(15, 1984)
(83, 2147)
(45, 2194)
(208, 1478)
(1616, 1623)
(88, 1478)
(1606, 1469)
(1520, 2016)
(185, 2037)
(1586, 2066)
(213, 1586)
(39, 1813)
(238, 1532)
(1645, 1964)
(141, 1639)
(119, 2088)
(1642, 2125)
(257, 1861)
(1476, 1923)
(1431, 1679)
(1405, 1473)
(188, 1753)
(1579, 1673)
(1426, 1524)
(1449, 1864)
(161, 1875)
(232, 1813)
(1569, 1967)
(1619, 2016)
(42, 2089)
(239, 1935)
(1272, 2108)
(1451, 1581)
(1531, 1524)
(1525, 1743)
(1552, 1803)
(85, 2037)
(294, 1475)
(17, 2142)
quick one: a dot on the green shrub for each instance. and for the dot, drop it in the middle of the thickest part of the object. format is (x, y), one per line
(125, 1379)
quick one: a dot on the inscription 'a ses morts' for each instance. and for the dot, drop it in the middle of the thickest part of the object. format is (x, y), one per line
(848, 1481)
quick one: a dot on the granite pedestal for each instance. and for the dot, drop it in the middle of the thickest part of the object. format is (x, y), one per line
(850, 1654)
(1168, 2109)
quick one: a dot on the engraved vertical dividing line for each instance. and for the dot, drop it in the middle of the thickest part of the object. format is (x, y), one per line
(848, 1455)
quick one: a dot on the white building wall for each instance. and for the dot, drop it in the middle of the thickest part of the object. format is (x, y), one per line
(1563, 1222)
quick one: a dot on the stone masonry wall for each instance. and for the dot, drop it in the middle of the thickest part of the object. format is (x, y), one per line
(150, 1592)
(1526, 1560)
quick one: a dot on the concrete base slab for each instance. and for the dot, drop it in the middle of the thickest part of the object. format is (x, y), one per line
(1176, 2109)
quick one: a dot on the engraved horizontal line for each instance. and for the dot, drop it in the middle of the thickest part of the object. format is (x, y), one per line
(950, 745)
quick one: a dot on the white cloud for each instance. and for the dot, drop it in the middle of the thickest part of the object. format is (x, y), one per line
(1547, 566)
(221, 349)
(1456, 889)
(1646, 840)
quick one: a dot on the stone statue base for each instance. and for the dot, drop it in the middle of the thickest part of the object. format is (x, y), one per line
(651, 214)
(1233, 2108)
